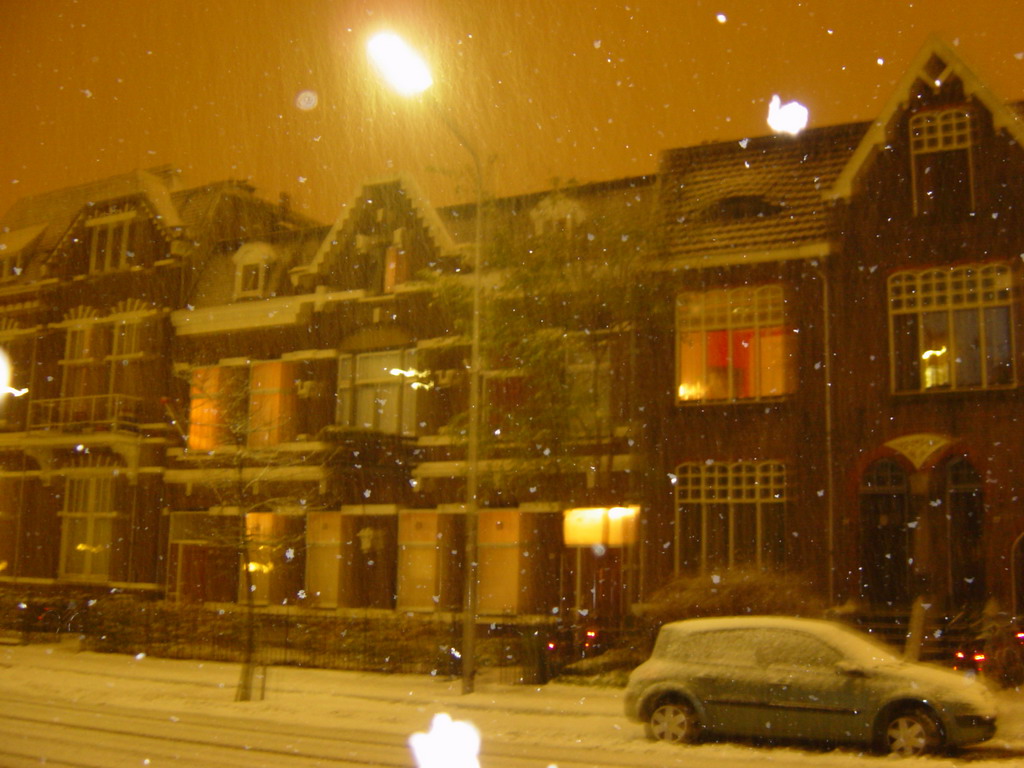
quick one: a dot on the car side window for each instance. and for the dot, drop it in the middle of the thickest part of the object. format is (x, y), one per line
(731, 647)
(795, 649)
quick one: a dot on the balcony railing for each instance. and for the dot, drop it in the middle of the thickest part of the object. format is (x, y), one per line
(97, 412)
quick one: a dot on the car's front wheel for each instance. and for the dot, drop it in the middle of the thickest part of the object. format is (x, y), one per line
(912, 732)
(674, 721)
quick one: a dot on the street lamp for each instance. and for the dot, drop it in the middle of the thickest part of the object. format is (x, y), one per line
(406, 72)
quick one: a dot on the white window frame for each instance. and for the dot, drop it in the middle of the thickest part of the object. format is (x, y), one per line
(731, 310)
(109, 238)
(936, 131)
(89, 499)
(366, 381)
(953, 297)
(252, 268)
(718, 494)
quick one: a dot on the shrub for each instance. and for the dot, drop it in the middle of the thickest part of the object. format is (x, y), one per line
(732, 592)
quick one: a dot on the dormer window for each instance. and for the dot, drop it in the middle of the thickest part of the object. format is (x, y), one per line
(740, 207)
(109, 238)
(941, 148)
(252, 268)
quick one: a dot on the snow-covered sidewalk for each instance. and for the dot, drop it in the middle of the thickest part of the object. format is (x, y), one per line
(400, 704)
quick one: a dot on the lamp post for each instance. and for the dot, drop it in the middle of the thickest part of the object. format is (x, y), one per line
(406, 72)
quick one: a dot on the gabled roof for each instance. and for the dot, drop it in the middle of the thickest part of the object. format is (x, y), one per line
(230, 210)
(406, 187)
(752, 196)
(14, 241)
(57, 210)
(934, 65)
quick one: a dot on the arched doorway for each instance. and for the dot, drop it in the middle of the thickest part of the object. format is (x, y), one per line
(964, 571)
(921, 526)
(885, 534)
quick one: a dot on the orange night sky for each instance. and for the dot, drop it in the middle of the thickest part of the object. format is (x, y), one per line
(279, 91)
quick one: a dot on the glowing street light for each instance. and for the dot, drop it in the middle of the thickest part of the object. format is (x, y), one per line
(5, 377)
(405, 71)
(399, 65)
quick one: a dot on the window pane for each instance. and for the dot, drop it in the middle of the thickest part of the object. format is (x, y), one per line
(366, 408)
(99, 561)
(691, 367)
(76, 544)
(250, 278)
(688, 537)
(716, 533)
(906, 363)
(116, 245)
(935, 350)
(100, 249)
(408, 424)
(967, 331)
(773, 535)
(998, 347)
(717, 382)
(387, 399)
(377, 365)
(345, 414)
(743, 381)
(744, 534)
(774, 354)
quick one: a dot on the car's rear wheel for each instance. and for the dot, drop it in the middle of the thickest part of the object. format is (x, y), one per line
(674, 721)
(911, 732)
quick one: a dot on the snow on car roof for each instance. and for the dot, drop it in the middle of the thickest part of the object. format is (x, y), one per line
(852, 642)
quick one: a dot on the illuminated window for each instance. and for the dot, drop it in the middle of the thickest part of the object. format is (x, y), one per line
(273, 403)
(87, 526)
(941, 145)
(109, 239)
(377, 391)
(951, 328)
(733, 345)
(274, 562)
(217, 407)
(730, 514)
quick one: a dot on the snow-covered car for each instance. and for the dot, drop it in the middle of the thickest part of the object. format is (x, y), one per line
(801, 680)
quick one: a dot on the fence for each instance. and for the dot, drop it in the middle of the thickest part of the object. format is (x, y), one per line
(379, 641)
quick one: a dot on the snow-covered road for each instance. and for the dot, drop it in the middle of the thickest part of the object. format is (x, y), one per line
(320, 717)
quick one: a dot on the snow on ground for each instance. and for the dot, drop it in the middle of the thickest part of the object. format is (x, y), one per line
(556, 713)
